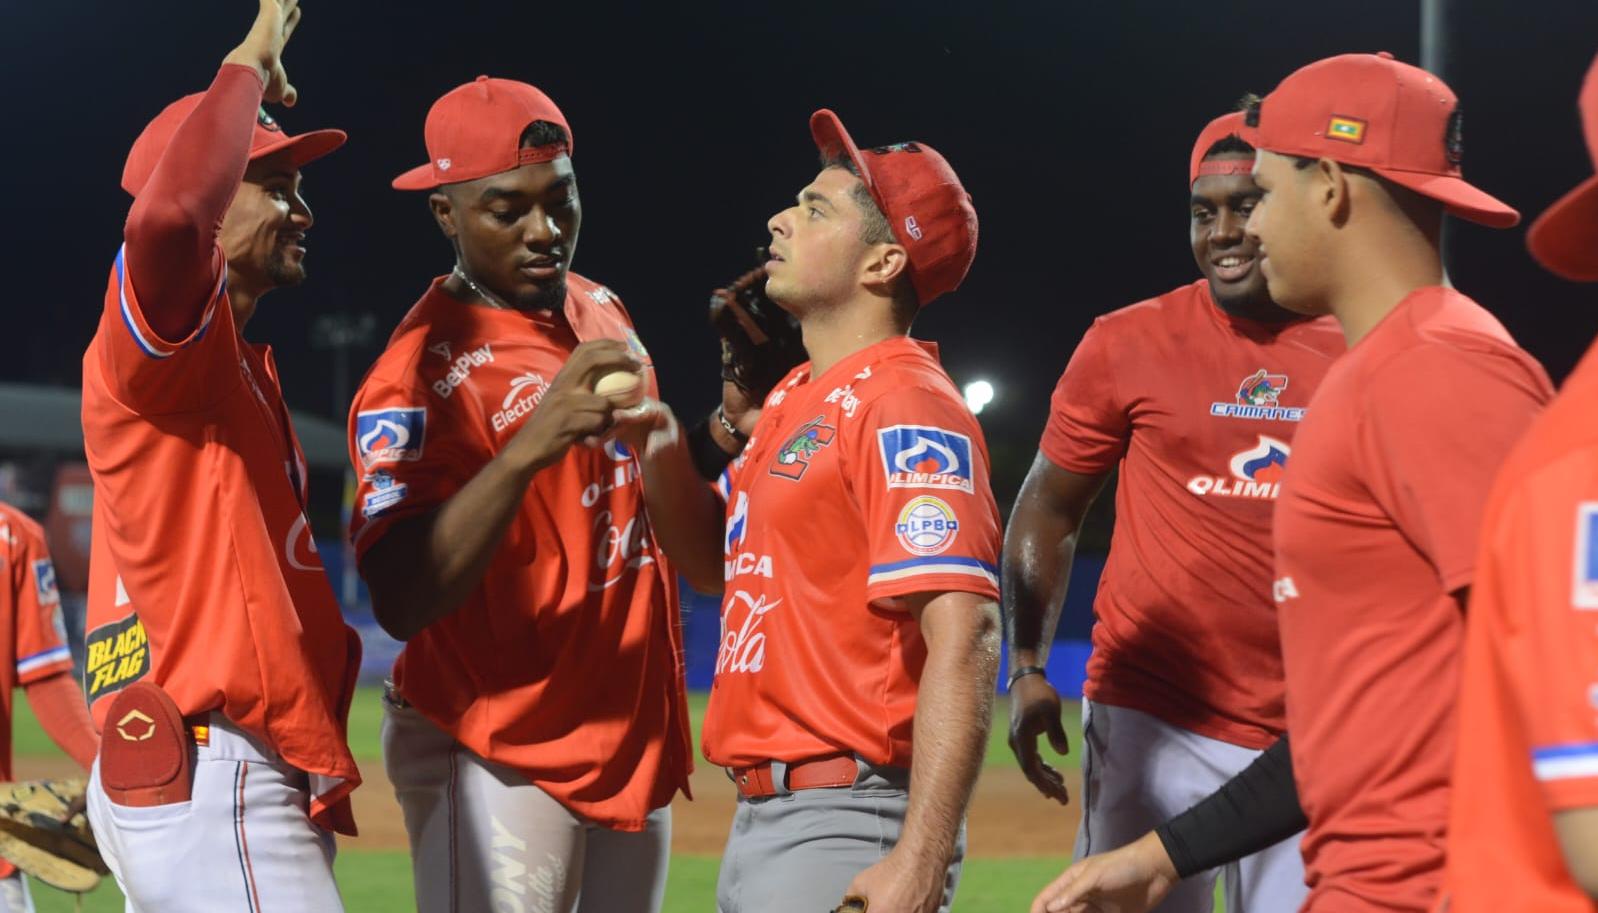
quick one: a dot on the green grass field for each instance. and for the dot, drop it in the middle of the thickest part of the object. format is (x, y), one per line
(381, 880)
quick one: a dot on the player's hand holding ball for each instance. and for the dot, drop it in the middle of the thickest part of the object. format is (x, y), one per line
(624, 388)
(571, 410)
(262, 48)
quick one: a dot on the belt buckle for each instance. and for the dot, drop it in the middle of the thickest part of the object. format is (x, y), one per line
(392, 695)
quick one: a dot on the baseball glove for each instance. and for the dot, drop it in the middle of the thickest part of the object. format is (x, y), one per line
(759, 341)
(45, 833)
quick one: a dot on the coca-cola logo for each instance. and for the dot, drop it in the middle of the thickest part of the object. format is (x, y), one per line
(619, 548)
(743, 648)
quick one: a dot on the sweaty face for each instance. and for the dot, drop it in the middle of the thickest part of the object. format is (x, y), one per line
(517, 231)
(1226, 255)
(1288, 227)
(816, 245)
(263, 232)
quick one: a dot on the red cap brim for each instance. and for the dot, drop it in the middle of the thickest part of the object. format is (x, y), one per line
(303, 148)
(834, 141)
(1459, 197)
(1564, 239)
(419, 178)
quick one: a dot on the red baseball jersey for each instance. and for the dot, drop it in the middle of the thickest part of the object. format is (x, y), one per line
(565, 663)
(862, 485)
(1197, 408)
(32, 635)
(1528, 713)
(203, 575)
(1375, 531)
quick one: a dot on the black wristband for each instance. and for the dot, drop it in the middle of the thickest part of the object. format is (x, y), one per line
(1253, 810)
(709, 458)
(729, 427)
(1016, 674)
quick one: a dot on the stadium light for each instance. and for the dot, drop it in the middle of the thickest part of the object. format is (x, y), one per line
(978, 394)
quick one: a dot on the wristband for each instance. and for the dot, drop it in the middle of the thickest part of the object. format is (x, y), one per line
(1017, 674)
(730, 428)
(709, 458)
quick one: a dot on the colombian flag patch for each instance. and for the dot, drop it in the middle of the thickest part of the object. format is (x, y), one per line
(1346, 129)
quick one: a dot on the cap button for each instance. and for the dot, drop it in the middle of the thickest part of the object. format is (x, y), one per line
(1385, 55)
(484, 78)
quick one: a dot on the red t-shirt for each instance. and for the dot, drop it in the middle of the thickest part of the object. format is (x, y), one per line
(32, 637)
(862, 485)
(202, 571)
(1198, 409)
(1528, 713)
(1376, 527)
(565, 663)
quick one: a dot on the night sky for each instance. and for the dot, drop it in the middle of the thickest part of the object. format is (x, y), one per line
(1070, 123)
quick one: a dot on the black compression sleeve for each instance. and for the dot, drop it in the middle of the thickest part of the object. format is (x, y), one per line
(1255, 809)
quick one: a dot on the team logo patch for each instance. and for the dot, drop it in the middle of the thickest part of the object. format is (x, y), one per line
(1584, 595)
(115, 656)
(1256, 473)
(390, 435)
(44, 582)
(385, 493)
(794, 457)
(1346, 129)
(918, 456)
(634, 344)
(927, 526)
(1259, 397)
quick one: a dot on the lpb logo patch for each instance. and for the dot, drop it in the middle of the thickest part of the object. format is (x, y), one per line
(918, 456)
(927, 526)
(390, 435)
(1584, 594)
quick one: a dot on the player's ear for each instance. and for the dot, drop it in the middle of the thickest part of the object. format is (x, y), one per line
(443, 212)
(883, 265)
(1331, 190)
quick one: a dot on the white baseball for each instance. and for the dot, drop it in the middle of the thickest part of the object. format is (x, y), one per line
(624, 388)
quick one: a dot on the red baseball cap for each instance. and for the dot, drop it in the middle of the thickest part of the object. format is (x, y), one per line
(930, 212)
(1370, 111)
(1234, 124)
(269, 138)
(1564, 239)
(475, 130)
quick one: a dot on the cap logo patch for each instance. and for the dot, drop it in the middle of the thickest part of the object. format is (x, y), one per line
(911, 228)
(266, 121)
(1454, 139)
(443, 164)
(1346, 129)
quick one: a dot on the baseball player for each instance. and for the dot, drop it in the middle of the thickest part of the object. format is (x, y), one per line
(536, 729)
(1375, 524)
(1523, 824)
(35, 642)
(857, 552)
(1184, 687)
(219, 669)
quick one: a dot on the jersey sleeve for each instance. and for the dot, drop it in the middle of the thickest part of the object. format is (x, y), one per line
(411, 452)
(1089, 427)
(1437, 424)
(41, 636)
(918, 467)
(1543, 557)
(155, 376)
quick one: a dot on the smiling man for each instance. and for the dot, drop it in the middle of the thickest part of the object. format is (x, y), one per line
(1194, 396)
(219, 668)
(536, 727)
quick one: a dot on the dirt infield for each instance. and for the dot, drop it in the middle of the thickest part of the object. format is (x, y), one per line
(1008, 817)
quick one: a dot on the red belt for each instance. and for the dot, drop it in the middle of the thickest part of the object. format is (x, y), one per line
(817, 773)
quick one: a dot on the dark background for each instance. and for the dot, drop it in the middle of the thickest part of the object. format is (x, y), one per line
(1070, 123)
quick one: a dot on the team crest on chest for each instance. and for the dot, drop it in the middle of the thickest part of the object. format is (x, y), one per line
(1259, 397)
(794, 457)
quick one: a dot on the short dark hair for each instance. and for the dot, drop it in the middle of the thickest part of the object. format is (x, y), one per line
(544, 133)
(1232, 144)
(874, 227)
